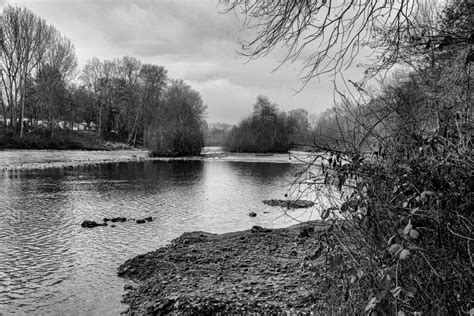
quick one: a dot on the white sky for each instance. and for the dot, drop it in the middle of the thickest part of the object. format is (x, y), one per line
(194, 41)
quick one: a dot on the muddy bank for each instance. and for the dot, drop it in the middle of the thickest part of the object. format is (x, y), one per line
(254, 271)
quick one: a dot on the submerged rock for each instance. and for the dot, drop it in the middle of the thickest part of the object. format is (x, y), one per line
(252, 214)
(141, 221)
(289, 203)
(149, 219)
(91, 224)
(118, 219)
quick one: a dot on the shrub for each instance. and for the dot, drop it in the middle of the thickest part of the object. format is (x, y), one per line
(402, 240)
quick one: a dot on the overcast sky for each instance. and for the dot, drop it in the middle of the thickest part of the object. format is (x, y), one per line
(194, 41)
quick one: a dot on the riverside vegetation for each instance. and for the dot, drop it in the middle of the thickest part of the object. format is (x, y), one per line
(120, 100)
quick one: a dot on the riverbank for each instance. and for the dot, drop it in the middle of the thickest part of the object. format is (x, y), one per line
(253, 271)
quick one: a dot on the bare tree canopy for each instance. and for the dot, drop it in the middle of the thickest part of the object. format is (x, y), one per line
(30, 46)
(328, 35)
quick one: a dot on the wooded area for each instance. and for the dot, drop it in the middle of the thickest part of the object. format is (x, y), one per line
(45, 95)
(269, 130)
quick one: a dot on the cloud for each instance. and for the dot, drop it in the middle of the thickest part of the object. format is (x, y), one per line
(193, 41)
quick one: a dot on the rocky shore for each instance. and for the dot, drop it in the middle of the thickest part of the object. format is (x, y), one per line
(260, 270)
(18, 160)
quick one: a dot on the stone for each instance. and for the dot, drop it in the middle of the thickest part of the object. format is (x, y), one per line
(149, 219)
(289, 203)
(252, 214)
(118, 219)
(140, 221)
(91, 224)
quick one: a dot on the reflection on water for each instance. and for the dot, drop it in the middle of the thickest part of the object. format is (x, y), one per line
(50, 265)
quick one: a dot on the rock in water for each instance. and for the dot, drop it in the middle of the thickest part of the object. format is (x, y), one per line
(141, 221)
(290, 204)
(252, 214)
(118, 219)
(91, 224)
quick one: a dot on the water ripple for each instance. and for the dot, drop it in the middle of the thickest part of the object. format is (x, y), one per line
(50, 265)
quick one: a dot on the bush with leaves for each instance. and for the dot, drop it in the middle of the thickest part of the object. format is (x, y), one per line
(401, 236)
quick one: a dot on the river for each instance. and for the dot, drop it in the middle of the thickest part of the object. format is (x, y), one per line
(50, 265)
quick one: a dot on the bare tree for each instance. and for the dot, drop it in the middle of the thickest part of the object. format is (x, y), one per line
(153, 80)
(25, 43)
(55, 70)
(327, 35)
(91, 75)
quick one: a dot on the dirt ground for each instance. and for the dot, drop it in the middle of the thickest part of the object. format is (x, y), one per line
(255, 271)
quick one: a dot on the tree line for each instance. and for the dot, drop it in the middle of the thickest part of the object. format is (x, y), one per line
(270, 130)
(121, 99)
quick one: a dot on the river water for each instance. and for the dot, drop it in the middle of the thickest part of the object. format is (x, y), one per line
(50, 265)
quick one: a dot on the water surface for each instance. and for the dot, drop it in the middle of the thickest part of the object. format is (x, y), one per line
(50, 265)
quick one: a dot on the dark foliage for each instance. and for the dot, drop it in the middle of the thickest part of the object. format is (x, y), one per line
(177, 128)
(268, 130)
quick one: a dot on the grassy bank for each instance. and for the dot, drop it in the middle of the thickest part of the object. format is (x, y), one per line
(57, 139)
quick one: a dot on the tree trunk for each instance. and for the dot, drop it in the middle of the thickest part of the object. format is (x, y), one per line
(100, 119)
(4, 111)
(22, 109)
